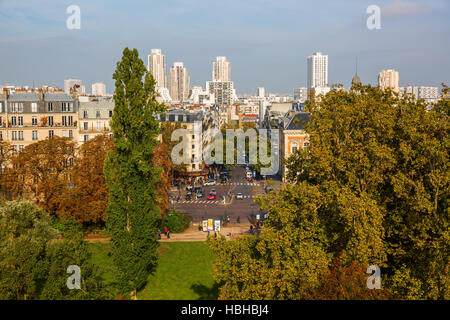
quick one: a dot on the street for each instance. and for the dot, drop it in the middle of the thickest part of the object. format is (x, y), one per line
(214, 209)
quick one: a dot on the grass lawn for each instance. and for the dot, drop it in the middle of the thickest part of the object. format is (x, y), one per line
(184, 271)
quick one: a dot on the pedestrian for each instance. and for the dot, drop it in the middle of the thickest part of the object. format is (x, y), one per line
(168, 234)
(165, 231)
(215, 235)
(159, 234)
(208, 233)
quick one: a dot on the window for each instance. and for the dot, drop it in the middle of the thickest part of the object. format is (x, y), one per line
(193, 146)
(35, 135)
(34, 121)
(99, 125)
(66, 107)
(13, 121)
(70, 134)
(193, 166)
(86, 138)
(20, 122)
(1, 107)
(85, 114)
(15, 149)
(294, 147)
(20, 148)
(64, 121)
(305, 145)
(1, 135)
(50, 107)
(33, 107)
(110, 113)
(20, 135)
(51, 133)
(70, 121)
(50, 121)
(85, 126)
(14, 136)
(97, 114)
(17, 107)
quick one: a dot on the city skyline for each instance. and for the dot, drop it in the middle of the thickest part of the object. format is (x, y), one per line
(263, 51)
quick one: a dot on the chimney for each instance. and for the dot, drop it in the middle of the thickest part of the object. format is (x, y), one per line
(291, 113)
(5, 93)
(41, 94)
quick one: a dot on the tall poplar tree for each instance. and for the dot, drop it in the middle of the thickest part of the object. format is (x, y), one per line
(133, 212)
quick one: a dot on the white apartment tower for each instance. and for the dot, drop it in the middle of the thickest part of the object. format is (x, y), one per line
(388, 79)
(221, 69)
(179, 83)
(260, 92)
(99, 89)
(157, 67)
(317, 70)
(70, 83)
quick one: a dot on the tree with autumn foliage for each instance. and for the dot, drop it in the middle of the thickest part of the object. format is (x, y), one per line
(42, 172)
(89, 196)
(6, 154)
(163, 160)
(373, 188)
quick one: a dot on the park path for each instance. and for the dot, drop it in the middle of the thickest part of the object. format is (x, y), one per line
(192, 234)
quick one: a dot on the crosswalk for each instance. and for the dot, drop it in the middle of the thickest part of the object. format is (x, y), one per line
(212, 201)
(239, 184)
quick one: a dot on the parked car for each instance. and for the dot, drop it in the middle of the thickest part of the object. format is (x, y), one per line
(239, 195)
(197, 189)
(188, 196)
(213, 191)
(189, 188)
(200, 194)
(212, 196)
(210, 183)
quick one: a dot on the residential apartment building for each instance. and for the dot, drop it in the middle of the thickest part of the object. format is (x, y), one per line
(300, 94)
(202, 126)
(99, 89)
(317, 70)
(221, 70)
(28, 117)
(388, 79)
(94, 118)
(223, 91)
(292, 136)
(180, 83)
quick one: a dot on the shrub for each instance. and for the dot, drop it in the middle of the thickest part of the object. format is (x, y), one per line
(175, 221)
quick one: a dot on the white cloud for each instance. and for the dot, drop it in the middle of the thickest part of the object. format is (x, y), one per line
(399, 8)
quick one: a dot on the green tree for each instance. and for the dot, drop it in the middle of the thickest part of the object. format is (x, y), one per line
(382, 163)
(372, 189)
(34, 257)
(132, 214)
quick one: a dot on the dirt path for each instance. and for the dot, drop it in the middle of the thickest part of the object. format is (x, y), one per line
(190, 235)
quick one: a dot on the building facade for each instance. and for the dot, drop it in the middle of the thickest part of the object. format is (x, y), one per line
(99, 89)
(388, 79)
(221, 70)
(94, 118)
(317, 70)
(28, 117)
(180, 83)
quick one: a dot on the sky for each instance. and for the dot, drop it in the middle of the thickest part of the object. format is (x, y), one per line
(266, 41)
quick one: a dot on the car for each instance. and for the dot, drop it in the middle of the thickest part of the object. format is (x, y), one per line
(213, 191)
(210, 183)
(197, 189)
(188, 196)
(212, 196)
(200, 194)
(239, 195)
(189, 188)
